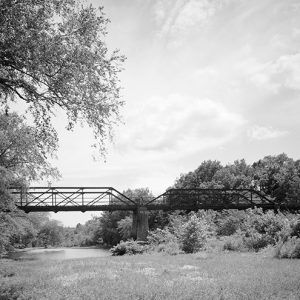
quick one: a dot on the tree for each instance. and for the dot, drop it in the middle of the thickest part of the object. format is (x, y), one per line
(279, 177)
(202, 177)
(23, 157)
(234, 176)
(53, 55)
(23, 151)
(50, 234)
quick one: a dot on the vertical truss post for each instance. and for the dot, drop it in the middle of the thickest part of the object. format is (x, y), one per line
(82, 200)
(52, 197)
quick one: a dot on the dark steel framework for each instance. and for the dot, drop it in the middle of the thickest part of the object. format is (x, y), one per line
(109, 199)
(71, 199)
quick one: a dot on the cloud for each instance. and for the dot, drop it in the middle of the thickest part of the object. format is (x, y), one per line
(177, 18)
(177, 125)
(265, 133)
(283, 72)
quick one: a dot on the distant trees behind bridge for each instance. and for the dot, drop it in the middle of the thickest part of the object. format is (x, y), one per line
(277, 176)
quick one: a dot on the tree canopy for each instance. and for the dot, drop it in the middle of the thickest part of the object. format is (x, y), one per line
(53, 55)
(23, 151)
(23, 158)
(277, 176)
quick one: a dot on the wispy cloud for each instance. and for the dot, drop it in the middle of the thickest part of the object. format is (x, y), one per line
(283, 72)
(265, 133)
(177, 125)
(177, 18)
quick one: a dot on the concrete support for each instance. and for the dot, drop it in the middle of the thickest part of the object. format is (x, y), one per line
(140, 226)
(134, 224)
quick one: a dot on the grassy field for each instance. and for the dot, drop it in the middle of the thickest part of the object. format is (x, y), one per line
(195, 276)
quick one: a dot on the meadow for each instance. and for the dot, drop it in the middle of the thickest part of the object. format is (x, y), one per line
(202, 275)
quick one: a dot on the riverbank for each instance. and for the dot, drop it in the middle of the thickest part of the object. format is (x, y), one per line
(195, 276)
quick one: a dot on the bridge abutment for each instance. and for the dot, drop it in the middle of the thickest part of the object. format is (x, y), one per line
(140, 225)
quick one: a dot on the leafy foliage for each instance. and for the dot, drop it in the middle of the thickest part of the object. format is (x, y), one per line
(129, 247)
(125, 228)
(194, 234)
(162, 240)
(53, 55)
(23, 158)
(288, 249)
(23, 151)
(276, 176)
(50, 234)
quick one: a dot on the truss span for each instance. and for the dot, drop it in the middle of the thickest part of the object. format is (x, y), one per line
(71, 199)
(109, 199)
(218, 199)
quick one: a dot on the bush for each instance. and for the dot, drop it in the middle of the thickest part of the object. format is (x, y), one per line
(288, 249)
(161, 236)
(268, 224)
(254, 240)
(229, 222)
(129, 247)
(171, 248)
(162, 240)
(194, 234)
(296, 229)
(234, 242)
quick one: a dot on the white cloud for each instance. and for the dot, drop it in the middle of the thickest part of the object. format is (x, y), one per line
(283, 72)
(176, 18)
(177, 125)
(264, 133)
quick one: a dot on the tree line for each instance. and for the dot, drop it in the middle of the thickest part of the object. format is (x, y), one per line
(53, 59)
(276, 176)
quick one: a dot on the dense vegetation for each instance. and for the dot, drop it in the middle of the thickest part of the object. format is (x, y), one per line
(249, 230)
(253, 229)
(53, 58)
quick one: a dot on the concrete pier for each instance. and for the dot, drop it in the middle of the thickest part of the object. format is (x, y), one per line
(140, 226)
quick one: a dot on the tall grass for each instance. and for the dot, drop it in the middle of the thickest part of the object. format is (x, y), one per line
(191, 276)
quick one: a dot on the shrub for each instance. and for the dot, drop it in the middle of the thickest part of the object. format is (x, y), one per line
(171, 248)
(295, 230)
(194, 234)
(229, 222)
(162, 240)
(254, 240)
(288, 249)
(129, 247)
(161, 236)
(234, 242)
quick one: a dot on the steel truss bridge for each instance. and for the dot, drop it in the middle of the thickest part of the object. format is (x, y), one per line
(83, 199)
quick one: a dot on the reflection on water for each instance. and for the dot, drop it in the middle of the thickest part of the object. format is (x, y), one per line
(58, 253)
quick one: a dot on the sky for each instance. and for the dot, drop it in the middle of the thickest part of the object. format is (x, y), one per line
(203, 79)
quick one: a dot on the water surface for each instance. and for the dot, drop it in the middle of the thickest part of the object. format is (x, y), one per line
(58, 253)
